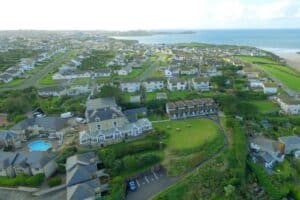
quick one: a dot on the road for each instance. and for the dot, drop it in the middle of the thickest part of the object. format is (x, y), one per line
(18, 195)
(33, 79)
(153, 187)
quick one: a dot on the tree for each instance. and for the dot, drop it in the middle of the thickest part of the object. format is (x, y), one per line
(229, 189)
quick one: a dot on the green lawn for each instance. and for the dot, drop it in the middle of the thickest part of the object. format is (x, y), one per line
(47, 80)
(188, 143)
(14, 82)
(288, 76)
(188, 134)
(265, 106)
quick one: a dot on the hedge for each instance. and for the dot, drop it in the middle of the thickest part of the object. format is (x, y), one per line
(23, 180)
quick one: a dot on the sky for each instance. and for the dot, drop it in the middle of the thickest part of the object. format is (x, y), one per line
(148, 14)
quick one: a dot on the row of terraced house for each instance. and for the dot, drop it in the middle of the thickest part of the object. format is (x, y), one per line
(191, 108)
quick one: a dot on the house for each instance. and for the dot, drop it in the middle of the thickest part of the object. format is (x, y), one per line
(188, 71)
(6, 164)
(191, 108)
(288, 105)
(130, 86)
(161, 95)
(153, 84)
(9, 138)
(108, 124)
(291, 143)
(168, 73)
(209, 71)
(135, 99)
(255, 83)
(83, 173)
(75, 90)
(176, 84)
(14, 72)
(102, 73)
(27, 63)
(34, 126)
(71, 75)
(124, 71)
(270, 88)
(201, 84)
(267, 151)
(29, 163)
(133, 114)
(5, 78)
(53, 91)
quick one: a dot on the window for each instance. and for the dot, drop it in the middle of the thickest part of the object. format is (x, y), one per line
(115, 123)
(97, 119)
(99, 126)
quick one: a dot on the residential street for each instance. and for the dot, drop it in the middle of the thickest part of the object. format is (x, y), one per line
(33, 80)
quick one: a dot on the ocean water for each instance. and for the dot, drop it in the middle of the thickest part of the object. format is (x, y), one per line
(284, 39)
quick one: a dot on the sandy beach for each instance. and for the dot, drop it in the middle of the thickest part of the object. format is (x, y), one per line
(291, 57)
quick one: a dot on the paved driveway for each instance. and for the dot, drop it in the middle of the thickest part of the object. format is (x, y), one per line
(149, 184)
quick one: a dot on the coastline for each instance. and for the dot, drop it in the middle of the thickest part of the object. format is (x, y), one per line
(291, 56)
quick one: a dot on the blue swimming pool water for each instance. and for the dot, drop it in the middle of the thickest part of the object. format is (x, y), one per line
(39, 145)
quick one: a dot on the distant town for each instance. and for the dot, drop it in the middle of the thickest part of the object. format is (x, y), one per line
(87, 116)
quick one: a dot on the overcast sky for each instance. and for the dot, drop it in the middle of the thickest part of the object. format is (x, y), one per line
(148, 14)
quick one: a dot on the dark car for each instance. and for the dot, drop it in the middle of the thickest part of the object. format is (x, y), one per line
(132, 186)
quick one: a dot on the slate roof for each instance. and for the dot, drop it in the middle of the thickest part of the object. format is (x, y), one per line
(103, 114)
(80, 174)
(6, 135)
(35, 159)
(6, 159)
(266, 157)
(53, 123)
(81, 159)
(92, 104)
(132, 114)
(292, 143)
(83, 190)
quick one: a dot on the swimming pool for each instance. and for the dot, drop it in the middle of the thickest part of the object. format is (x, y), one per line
(39, 145)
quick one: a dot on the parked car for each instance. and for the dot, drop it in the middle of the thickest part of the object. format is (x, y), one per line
(66, 115)
(132, 186)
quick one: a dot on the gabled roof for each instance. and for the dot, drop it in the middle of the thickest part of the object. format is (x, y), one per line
(35, 159)
(81, 159)
(6, 135)
(80, 174)
(53, 123)
(103, 114)
(92, 104)
(6, 159)
(83, 190)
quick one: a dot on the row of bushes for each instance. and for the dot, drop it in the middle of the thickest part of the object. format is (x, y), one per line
(23, 180)
(108, 155)
(54, 181)
(132, 163)
(274, 191)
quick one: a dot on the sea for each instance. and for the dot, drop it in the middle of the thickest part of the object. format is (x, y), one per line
(268, 39)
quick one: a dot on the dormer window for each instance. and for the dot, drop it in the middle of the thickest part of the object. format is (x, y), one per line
(97, 119)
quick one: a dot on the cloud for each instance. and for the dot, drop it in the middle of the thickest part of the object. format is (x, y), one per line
(147, 14)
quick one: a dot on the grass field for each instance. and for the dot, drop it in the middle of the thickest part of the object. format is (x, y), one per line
(188, 134)
(288, 76)
(265, 106)
(189, 142)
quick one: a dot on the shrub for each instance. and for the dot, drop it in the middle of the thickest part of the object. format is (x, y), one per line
(23, 180)
(65, 153)
(54, 181)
